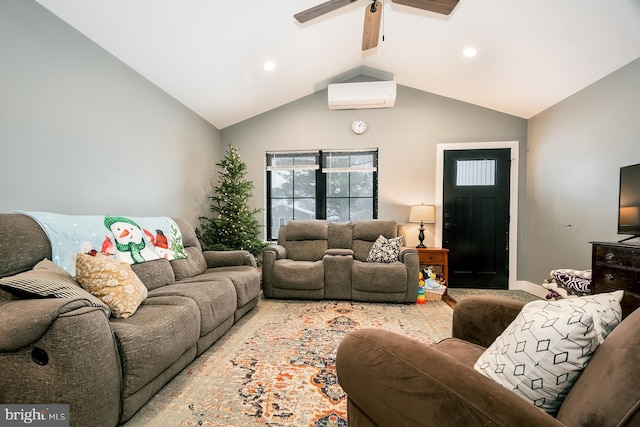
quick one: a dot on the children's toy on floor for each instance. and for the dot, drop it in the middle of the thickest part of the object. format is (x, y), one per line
(433, 289)
(422, 299)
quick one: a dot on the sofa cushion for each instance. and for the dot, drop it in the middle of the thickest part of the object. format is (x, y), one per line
(216, 300)
(191, 266)
(112, 281)
(49, 280)
(303, 275)
(306, 230)
(379, 277)
(369, 230)
(189, 237)
(365, 233)
(545, 349)
(304, 240)
(306, 250)
(34, 244)
(385, 250)
(340, 235)
(154, 274)
(162, 330)
(245, 279)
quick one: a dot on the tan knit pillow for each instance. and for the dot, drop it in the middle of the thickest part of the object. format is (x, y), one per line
(112, 281)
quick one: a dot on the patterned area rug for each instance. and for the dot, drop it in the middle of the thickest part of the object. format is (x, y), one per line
(457, 294)
(276, 366)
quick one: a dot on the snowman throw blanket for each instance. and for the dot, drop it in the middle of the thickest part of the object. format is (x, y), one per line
(130, 239)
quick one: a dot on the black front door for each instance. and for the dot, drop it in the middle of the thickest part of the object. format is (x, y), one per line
(476, 217)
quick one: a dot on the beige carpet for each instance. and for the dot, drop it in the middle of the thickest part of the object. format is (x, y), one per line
(276, 366)
(458, 294)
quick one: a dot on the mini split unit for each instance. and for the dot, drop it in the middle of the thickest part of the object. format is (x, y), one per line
(359, 95)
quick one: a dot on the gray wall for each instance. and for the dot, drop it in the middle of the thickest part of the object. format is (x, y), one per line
(80, 132)
(576, 149)
(406, 136)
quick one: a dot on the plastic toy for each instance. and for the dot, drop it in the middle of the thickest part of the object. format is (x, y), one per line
(422, 299)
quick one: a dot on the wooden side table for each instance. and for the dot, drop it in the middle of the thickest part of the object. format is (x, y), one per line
(436, 256)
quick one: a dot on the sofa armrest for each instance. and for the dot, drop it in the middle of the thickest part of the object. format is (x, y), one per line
(270, 255)
(481, 319)
(405, 250)
(23, 322)
(227, 258)
(396, 380)
(278, 251)
(64, 352)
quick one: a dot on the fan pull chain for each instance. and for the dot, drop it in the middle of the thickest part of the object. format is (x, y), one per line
(382, 1)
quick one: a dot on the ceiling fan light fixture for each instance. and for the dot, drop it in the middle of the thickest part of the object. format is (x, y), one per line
(469, 52)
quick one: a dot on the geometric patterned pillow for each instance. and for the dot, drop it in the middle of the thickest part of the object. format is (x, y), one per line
(604, 307)
(112, 281)
(541, 354)
(47, 279)
(385, 250)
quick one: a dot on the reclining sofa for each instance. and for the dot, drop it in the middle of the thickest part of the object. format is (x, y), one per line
(325, 260)
(67, 351)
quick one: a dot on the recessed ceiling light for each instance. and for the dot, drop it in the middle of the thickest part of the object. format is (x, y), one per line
(469, 52)
(268, 66)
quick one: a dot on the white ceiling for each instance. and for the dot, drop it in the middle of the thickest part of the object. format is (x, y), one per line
(209, 54)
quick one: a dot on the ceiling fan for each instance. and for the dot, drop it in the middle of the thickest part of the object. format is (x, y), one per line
(373, 13)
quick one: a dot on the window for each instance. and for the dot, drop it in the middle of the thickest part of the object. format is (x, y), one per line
(475, 172)
(338, 186)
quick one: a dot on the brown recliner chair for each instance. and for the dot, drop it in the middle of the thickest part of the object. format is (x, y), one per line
(393, 380)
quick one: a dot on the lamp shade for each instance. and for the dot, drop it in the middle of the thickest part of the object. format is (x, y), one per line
(629, 216)
(422, 213)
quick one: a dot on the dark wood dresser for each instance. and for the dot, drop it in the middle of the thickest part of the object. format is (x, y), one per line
(617, 266)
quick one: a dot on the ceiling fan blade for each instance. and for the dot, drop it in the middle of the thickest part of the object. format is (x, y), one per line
(444, 7)
(321, 9)
(371, 32)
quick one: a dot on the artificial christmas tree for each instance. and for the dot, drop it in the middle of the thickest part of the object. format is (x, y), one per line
(234, 225)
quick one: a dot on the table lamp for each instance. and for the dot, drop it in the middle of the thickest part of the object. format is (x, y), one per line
(422, 213)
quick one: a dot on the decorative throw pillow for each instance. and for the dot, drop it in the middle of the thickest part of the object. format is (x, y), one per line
(112, 281)
(545, 349)
(385, 250)
(48, 280)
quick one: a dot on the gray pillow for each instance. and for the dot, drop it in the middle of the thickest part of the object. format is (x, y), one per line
(49, 280)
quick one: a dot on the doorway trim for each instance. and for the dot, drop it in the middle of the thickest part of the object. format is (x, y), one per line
(513, 195)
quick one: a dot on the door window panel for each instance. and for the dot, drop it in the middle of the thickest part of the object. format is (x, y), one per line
(475, 172)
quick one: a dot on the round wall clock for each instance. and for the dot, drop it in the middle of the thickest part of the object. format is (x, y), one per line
(359, 126)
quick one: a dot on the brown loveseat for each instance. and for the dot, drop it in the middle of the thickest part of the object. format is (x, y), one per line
(392, 380)
(65, 350)
(326, 260)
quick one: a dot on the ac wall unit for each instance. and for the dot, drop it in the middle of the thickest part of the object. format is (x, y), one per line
(358, 95)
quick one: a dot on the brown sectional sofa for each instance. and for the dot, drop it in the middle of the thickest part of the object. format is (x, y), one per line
(61, 350)
(324, 260)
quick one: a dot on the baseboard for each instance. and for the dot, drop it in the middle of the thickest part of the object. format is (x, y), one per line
(532, 288)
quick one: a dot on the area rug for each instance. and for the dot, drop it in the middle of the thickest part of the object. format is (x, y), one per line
(276, 366)
(458, 294)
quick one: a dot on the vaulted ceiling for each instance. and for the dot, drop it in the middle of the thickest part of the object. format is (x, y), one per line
(209, 54)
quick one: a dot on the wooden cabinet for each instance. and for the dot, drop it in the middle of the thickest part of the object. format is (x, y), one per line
(436, 257)
(617, 266)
